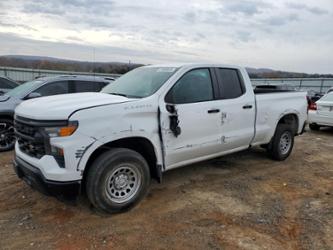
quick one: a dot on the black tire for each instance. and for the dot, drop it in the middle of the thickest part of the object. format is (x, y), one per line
(107, 169)
(277, 149)
(7, 136)
(314, 126)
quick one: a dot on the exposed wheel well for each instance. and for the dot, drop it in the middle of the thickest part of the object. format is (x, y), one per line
(290, 119)
(139, 144)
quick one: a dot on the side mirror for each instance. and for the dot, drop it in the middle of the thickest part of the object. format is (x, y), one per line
(174, 122)
(33, 95)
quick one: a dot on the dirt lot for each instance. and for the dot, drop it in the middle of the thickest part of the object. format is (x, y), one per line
(242, 201)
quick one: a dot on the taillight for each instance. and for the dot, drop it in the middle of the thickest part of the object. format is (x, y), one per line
(313, 106)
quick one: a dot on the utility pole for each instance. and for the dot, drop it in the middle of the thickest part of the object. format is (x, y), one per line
(94, 52)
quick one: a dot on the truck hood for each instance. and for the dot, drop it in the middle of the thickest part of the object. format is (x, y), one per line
(60, 107)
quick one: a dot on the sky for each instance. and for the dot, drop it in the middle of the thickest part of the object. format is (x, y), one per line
(285, 35)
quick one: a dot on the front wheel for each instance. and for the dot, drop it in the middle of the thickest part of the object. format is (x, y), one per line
(282, 143)
(7, 136)
(117, 180)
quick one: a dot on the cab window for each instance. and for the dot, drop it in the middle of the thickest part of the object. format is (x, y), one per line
(230, 83)
(53, 88)
(88, 86)
(194, 86)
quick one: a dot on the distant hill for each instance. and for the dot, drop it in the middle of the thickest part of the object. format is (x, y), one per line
(34, 58)
(51, 63)
(270, 73)
(259, 71)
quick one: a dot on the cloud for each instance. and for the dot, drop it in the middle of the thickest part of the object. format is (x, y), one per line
(301, 6)
(190, 17)
(14, 44)
(281, 20)
(60, 7)
(74, 38)
(252, 32)
(23, 26)
(244, 36)
(247, 7)
(52, 8)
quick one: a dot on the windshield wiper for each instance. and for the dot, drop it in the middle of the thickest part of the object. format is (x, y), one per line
(124, 95)
(119, 94)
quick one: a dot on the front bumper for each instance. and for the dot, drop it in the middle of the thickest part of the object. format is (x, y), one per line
(34, 178)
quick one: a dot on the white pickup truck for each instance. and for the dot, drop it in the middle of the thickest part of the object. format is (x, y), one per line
(150, 120)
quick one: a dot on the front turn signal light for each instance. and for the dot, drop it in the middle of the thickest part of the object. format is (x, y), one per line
(67, 131)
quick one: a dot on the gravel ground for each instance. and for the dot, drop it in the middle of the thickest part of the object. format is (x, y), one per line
(241, 201)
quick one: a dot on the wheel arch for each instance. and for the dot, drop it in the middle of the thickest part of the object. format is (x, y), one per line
(291, 119)
(141, 145)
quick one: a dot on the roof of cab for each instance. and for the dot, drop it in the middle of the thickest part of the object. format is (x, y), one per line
(194, 65)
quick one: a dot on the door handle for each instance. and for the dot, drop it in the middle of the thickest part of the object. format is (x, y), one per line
(247, 107)
(212, 111)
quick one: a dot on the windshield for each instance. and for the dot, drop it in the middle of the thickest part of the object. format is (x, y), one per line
(327, 98)
(24, 88)
(140, 82)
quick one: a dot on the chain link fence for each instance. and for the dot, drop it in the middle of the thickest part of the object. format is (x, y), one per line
(319, 85)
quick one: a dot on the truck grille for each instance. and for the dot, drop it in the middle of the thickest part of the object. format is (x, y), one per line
(30, 139)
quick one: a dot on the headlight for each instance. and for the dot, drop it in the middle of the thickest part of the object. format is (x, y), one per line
(62, 131)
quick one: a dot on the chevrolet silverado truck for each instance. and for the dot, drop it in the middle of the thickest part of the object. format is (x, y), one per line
(155, 118)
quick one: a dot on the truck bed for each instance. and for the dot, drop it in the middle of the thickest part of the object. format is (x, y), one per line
(271, 91)
(270, 106)
(264, 89)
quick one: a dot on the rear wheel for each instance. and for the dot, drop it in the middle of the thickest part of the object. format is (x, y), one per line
(314, 126)
(117, 180)
(282, 143)
(7, 135)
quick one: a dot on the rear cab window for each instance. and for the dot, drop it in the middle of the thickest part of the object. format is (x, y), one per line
(88, 86)
(230, 83)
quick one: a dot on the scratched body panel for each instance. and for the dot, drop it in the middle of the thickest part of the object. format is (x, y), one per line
(131, 119)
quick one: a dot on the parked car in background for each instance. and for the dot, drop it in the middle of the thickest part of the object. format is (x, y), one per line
(330, 90)
(45, 86)
(150, 120)
(321, 113)
(312, 96)
(110, 79)
(6, 84)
